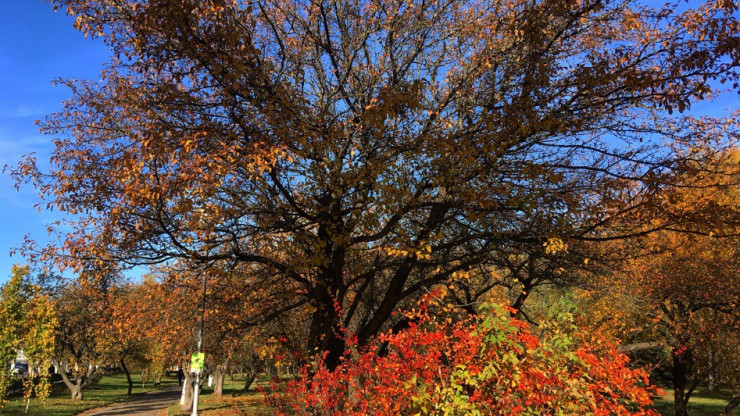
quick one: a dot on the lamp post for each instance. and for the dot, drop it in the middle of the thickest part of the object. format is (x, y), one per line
(196, 387)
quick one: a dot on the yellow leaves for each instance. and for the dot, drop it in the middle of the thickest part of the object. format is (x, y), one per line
(461, 275)
(555, 245)
(188, 145)
(423, 252)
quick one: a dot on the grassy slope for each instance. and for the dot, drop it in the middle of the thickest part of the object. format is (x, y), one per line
(109, 389)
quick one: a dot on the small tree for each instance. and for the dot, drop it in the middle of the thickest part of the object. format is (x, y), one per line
(28, 319)
(77, 338)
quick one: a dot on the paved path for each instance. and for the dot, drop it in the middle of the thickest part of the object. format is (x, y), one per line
(150, 404)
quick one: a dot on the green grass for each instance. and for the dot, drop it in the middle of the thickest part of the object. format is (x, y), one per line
(701, 403)
(109, 389)
(250, 403)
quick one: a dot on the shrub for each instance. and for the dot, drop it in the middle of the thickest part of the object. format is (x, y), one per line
(490, 364)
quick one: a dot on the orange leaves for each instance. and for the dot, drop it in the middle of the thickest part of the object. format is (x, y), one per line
(488, 365)
(365, 151)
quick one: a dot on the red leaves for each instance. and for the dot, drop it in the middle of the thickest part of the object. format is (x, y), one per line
(489, 365)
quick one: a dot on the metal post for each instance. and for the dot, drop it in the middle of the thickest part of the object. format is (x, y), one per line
(196, 388)
(195, 394)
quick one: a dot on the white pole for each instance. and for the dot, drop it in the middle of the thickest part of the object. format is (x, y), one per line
(182, 396)
(195, 394)
(200, 345)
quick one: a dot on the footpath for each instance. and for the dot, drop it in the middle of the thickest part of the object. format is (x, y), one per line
(150, 404)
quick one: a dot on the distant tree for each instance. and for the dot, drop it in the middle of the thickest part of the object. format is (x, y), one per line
(122, 340)
(681, 290)
(77, 338)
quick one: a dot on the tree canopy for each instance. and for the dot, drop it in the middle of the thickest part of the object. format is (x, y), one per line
(348, 155)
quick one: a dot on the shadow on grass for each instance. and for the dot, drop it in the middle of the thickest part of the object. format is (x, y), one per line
(110, 389)
(701, 403)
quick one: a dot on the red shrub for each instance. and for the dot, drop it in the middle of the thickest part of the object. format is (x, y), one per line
(488, 365)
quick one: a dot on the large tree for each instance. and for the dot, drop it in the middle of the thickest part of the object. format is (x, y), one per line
(358, 152)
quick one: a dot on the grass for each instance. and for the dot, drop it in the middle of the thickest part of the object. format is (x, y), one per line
(109, 389)
(233, 402)
(236, 402)
(252, 403)
(701, 403)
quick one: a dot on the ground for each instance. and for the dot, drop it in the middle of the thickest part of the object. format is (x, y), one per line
(112, 388)
(702, 403)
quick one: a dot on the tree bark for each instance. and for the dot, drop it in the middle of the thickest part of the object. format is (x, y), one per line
(128, 375)
(187, 402)
(682, 363)
(734, 402)
(218, 382)
(712, 384)
(250, 374)
(77, 393)
(75, 388)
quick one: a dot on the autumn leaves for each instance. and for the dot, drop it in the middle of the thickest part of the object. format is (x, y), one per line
(363, 153)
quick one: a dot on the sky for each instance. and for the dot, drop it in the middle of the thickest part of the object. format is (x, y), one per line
(37, 45)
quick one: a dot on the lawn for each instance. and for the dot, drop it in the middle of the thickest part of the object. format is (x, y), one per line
(701, 403)
(252, 403)
(109, 389)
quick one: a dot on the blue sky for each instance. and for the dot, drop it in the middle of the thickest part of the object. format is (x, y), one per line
(37, 46)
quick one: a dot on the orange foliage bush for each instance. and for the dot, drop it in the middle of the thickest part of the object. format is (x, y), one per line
(490, 364)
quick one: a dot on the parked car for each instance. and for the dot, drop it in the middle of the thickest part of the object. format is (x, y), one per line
(19, 368)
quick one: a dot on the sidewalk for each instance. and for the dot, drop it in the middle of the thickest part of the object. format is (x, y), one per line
(150, 404)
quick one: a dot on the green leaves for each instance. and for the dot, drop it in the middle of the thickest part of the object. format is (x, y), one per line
(29, 322)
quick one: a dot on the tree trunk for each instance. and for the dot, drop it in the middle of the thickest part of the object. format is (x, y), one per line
(76, 391)
(128, 376)
(75, 388)
(734, 402)
(219, 375)
(682, 363)
(250, 374)
(712, 384)
(187, 400)
(218, 382)
(325, 333)
(271, 369)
